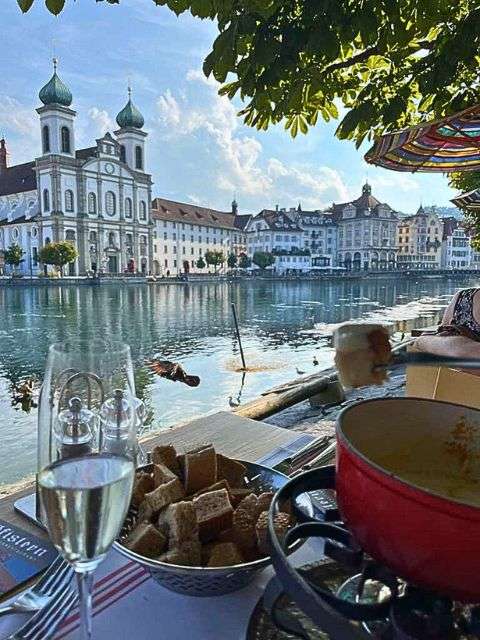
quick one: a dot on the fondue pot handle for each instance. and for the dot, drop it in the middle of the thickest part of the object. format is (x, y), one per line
(324, 608)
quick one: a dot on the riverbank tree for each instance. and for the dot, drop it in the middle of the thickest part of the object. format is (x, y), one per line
(214, 259)
(263, 259)
(244, 261)
(201, 264)
(232, 261)
(13, 256)
(58, 254)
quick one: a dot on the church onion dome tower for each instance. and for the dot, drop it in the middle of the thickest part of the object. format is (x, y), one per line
(55, 91)
(130, 116)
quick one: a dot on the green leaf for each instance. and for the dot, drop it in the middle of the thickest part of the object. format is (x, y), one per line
(24, 5)
(55, 6)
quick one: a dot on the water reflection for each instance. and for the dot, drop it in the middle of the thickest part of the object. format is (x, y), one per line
(284, 326)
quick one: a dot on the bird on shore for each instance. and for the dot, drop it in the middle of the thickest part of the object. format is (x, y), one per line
(300, 373)
(232, 402)
(315, 361)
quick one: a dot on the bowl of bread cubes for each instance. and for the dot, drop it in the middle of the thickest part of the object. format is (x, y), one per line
(198, 520)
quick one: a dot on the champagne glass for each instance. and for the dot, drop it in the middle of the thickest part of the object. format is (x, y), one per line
(87, 415)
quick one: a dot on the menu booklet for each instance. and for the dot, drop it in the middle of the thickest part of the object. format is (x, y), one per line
(22, 556)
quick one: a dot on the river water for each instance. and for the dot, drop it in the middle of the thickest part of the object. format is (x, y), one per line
(283, 324)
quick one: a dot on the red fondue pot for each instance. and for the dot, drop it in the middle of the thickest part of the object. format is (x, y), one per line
(425, 537)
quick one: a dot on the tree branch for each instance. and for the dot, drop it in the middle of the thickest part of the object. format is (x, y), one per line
(364, 55)
(349, 62)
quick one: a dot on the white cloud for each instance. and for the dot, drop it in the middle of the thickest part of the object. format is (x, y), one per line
(196, 75)
(20, 126)
(169, 110)
(315, 187)
(15, 116)
(240, 162)
(101, 120)
(395, 181)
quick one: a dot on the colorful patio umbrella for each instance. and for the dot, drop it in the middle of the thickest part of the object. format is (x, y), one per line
(450, 144)
(468, 200)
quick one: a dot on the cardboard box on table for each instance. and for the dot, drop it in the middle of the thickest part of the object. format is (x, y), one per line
(441, 383)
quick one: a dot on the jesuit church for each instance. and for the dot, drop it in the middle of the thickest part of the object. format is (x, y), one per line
(98, 198)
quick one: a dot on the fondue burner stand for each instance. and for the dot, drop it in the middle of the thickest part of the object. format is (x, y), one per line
(368, 600)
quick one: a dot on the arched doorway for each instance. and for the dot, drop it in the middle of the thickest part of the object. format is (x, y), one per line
(156, 267)
(391, 260)
(347, 261)
(144, 266)
(357, 261)
(70, 237)
(374, 260)
(383, 260)
(186, 266)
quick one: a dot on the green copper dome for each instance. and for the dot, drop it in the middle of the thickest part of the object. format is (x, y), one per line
(130, 116)
(55, 91)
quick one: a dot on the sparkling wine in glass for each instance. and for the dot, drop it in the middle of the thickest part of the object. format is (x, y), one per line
(85, 501)
(83, 488)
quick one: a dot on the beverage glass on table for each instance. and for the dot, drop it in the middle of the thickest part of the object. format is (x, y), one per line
(87, 424)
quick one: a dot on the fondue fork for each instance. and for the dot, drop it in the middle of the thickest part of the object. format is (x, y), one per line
(428, 360)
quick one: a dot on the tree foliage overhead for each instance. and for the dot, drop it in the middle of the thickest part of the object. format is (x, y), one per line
(385, 64)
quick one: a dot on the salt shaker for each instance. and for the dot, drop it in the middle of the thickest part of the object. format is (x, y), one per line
(75, 430)
(118, 421)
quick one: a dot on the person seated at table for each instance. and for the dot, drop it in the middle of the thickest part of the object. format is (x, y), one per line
(458, 335)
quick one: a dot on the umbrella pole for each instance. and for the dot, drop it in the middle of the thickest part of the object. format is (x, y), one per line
(235, 319)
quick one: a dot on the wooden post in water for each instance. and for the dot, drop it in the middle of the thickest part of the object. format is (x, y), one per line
(235, 319)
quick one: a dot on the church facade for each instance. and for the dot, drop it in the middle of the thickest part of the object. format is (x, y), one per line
(98, 198)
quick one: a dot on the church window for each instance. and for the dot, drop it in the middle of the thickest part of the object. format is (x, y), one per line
(69, 200)
(46, 139)
(111, 239)
(143, 210)
(65, 135)
(128, 208)
(93, 236)
(92, 202)
(138, 158)
(123, 154)
(110, 203)
(15, 234)
(46, 200)
(70, 235)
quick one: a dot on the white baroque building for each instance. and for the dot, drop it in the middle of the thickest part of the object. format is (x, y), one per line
(367, 233)
(98, 198)
(184, 232)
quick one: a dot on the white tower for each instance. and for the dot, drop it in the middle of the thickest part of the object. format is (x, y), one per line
(56, 118)
(130, 135)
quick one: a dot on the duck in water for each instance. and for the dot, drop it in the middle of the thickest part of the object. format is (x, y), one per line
(23, 394)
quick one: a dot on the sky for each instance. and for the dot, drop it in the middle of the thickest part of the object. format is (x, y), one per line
(198, 149)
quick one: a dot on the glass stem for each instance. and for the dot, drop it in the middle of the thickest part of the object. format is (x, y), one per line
(85, 586)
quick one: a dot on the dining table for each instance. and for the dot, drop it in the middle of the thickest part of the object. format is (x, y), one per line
(127, 602)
